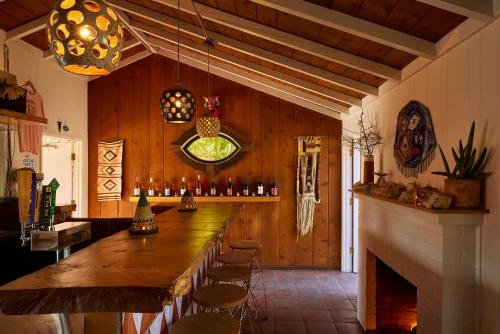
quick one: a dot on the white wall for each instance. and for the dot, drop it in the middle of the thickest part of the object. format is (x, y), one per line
(458, 88)
(64, 96)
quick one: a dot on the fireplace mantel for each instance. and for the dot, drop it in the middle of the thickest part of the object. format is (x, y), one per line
(435, 250)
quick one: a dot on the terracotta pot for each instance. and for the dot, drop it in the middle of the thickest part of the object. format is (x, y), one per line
(368, 169)
(466, 193)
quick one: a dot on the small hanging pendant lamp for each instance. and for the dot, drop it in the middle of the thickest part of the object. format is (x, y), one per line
(85, 36)
(208, 125)
(177, 104)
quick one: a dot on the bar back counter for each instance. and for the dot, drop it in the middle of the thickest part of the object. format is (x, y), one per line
(147, 277)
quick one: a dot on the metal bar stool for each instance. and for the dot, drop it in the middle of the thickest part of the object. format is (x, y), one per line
(206, 323)
(235, 274)
(217, 297)
(254, 247)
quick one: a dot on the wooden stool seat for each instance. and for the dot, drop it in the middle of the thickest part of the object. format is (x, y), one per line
(207, 323)
(235, 257)
(230, 273)
(245, 244)
(220, 295)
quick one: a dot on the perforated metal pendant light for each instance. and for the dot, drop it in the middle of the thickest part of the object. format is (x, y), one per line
(177, 104)
(85, 36)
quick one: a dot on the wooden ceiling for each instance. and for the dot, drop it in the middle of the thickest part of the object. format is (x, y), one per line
(336, 50)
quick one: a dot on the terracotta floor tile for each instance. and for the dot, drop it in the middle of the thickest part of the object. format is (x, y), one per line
(287, 314)
(312, 303)
(290, 327)
(348, 328)
(338, 304)
(320, 328)
(344, 316)
(285, 293)
(286, 303)
(316, 315)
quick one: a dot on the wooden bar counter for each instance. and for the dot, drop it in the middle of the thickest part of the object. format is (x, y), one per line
(124, 273)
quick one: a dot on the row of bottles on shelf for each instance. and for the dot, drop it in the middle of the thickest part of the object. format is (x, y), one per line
(212, 191)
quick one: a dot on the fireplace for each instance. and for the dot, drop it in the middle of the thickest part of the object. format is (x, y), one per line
(433, 254)
(396, 301)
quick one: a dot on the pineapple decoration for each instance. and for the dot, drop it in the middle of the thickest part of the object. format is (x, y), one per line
(144, 221)
(208, 125)
(187, 202)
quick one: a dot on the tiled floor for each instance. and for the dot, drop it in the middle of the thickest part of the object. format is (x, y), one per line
(310, 302)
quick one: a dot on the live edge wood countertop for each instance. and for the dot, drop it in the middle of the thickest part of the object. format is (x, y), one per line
(124, 273)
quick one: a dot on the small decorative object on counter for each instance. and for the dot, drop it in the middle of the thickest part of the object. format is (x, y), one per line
(151, 189)
(365, 142)
(144, 221)
(187, 202)
(415, 140)
(463, 182)
(137, 187)
(381, 177)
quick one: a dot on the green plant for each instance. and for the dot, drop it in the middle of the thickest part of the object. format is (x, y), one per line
(466, 165)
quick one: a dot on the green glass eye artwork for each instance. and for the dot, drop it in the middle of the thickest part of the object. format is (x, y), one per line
(211, 150)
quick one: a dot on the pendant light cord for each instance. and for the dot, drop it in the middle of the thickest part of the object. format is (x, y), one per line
(178, 38)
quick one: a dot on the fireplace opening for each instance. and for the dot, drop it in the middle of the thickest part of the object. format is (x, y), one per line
(396, 302)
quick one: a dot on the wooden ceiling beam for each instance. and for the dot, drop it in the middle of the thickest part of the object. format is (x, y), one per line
(257, 82)
(284, 38)
(161, 37)
(27, 28)
(246, 48)
(483, 10)
(125, 19)
(133, 58)
(353, 25)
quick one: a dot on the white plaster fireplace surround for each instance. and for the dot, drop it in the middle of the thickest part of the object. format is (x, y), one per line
(437, 252)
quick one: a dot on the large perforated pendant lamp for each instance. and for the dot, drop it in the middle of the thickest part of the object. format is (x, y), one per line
(85, 36)
(177, 104)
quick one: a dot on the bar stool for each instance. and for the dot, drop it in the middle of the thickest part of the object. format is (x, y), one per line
(235, 258)
(206, 323)
(227, 297)
(253, 247)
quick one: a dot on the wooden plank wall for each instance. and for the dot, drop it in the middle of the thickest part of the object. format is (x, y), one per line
(125, 105)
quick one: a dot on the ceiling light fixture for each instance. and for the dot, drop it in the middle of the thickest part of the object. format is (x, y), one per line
(85, 36)
(177, 104)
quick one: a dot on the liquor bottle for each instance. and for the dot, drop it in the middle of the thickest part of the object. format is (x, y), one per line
(137, 187)
(198, 186)
(167, 189)
(183, 185)
(229, 187)
(213, 189)
(151, 189)
(260, 188)
(246, 191)
(274, 188)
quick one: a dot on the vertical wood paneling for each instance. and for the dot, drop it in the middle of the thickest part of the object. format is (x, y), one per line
(124, 105)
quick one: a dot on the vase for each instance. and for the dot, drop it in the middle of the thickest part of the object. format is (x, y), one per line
(368, 169)
(466, 193)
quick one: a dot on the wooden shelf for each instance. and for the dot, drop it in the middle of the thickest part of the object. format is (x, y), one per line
(210, 199)
(422, 208)
(9, 117)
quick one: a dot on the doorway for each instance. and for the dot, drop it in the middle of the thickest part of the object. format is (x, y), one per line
(61, 160)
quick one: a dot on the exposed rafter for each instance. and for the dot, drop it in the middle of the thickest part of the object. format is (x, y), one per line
(271, 34)
(125, 19)
(483, 10)
(133, 58)
(353, 25)
(27, 29)
(248, 79)
(246, 48)
(161, 36)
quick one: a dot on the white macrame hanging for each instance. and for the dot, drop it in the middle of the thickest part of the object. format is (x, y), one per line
(308, 185)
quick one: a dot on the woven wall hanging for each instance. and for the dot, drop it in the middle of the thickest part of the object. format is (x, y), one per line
(415, 139)
(109, 171)
(308, 185)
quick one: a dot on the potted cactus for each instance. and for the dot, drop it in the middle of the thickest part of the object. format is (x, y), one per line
(463, 182)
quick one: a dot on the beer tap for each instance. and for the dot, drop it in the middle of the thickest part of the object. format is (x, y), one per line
(24, 184)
